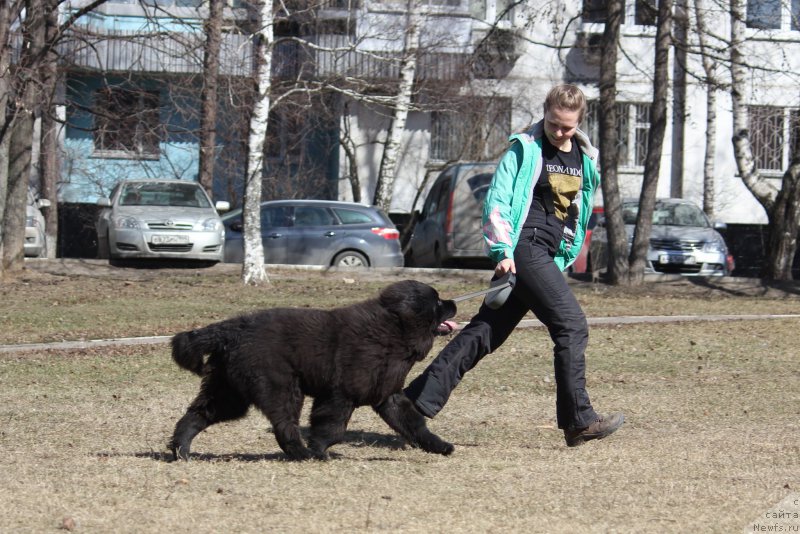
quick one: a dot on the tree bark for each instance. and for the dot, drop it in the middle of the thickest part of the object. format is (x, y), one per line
(655, 144)
(784, 223)
(253, 270)
(391, 151)
(615, 228)
(208, 117)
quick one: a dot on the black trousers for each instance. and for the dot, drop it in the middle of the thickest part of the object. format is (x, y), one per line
(542, 289)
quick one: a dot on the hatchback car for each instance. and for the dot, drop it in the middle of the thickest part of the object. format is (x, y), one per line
(160, 219)
(683, 240)
(34, 225)
(319, 232)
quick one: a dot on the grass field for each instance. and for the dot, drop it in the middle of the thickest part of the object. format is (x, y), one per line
(711, 440)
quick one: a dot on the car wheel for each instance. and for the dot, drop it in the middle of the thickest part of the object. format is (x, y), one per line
(350, 259)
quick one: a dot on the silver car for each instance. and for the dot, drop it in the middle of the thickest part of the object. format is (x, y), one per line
(683, 240)
(160, 219)
(319, 232)
(34, 226)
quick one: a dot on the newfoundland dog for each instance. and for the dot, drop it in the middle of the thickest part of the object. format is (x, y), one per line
(343, 358)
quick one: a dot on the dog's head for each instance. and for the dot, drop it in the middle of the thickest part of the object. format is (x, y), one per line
(418, 306)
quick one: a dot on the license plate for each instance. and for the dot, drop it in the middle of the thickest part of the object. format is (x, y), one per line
(676, 258)
(169, 239)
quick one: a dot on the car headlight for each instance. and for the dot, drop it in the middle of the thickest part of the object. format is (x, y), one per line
(211, 225)
(129, 223)
(715, 245)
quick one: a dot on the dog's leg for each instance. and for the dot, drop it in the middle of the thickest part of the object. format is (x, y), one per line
(400, 414)
(216, 402)
(329, 418)
(282, 407)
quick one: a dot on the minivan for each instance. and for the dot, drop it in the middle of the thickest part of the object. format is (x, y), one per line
(448, 230)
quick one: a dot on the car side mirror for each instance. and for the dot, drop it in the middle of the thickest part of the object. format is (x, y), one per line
(42, 203)
(419, 215)
(104, 202)
(720, 226)
(222, 205)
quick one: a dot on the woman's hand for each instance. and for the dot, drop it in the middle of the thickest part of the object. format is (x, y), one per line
(505, 266)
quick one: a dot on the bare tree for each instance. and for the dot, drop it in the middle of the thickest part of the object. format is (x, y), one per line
(48, 143)
(782, 206)
(27, 105)
(655, 143)
(408, 69)
(208, 116)
(615, 227)
(253, 271)
(712, 86)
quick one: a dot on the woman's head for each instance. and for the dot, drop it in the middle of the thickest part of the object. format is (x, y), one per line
(566, 97)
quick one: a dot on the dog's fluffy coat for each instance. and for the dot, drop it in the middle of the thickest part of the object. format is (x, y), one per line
(343, 358)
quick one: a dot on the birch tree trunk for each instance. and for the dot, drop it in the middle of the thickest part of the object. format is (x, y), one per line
(655, 144)
(253, 270)
(208, 116)
(615, 228)
(712, 84)
(408, 68)
(782, 206)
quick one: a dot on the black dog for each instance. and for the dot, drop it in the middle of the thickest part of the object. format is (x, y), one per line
(343, 358)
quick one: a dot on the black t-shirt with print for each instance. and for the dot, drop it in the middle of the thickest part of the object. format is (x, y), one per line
(562, 175)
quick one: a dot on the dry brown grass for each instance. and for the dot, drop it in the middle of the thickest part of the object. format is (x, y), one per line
(710, 440)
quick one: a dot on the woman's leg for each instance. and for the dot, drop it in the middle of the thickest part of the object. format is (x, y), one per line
(487, 330)
(542, 285)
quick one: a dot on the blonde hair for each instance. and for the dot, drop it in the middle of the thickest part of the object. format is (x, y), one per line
(568, 97)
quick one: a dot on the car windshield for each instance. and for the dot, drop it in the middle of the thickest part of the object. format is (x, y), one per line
(668, 214)
(188, 195)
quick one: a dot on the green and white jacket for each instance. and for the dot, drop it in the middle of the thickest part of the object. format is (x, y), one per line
(509, 197)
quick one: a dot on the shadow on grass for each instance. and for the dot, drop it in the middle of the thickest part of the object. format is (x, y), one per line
(747, 286)
(354, 438)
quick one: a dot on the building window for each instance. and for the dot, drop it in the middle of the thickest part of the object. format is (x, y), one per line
(286, 130)
(770, 127)
(633, 125)
(126, 123)
(645, 12)
(479, 132)
(795, 15)
(764, 14)
(594, 10)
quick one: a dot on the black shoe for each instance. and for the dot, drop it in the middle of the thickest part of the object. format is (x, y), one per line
(604, 426)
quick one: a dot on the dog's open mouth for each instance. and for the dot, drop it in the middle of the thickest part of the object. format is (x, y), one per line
(446, 328)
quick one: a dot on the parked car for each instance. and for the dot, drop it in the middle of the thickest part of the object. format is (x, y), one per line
(319, 232)
(34, 225)
(448, 230)
(160, 219)
(683, 240)
(581, 263)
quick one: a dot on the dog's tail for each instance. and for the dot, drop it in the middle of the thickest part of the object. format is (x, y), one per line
(188, 348)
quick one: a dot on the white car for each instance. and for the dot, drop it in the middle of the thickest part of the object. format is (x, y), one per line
(682, 241)
(160, 219)
(34, 226)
